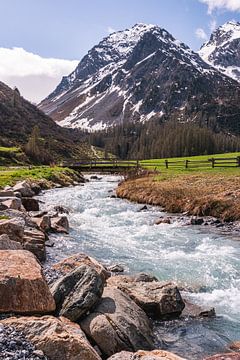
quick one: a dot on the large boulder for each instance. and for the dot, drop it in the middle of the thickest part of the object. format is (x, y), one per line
(60, 224)
(22, 286)
(71, 263)
(160, 300)
(14, 228)
(24, 189)
(146, 355)
(7, 244)
(58, 338)
(117, 324)
(30, 204)
(34, 241)
(78, 292)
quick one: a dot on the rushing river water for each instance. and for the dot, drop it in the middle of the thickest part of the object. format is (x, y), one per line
(197, 257)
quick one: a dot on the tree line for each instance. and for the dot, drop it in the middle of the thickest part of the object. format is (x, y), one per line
(161, 140)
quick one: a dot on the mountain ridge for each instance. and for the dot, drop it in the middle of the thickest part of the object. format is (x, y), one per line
(140, 74)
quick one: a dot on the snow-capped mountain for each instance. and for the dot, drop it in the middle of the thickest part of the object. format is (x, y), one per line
(223, 49)
(140, 74)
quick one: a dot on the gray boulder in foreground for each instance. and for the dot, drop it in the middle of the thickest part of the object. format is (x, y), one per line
(78, 292)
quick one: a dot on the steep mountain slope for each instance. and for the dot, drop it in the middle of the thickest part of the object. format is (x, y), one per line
(223, 49)
(18, 118)
(140, 74)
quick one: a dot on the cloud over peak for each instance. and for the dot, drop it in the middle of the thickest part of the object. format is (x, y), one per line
(230, 5)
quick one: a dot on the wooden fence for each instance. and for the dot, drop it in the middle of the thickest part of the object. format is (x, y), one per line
(111, 165)
(212, 162)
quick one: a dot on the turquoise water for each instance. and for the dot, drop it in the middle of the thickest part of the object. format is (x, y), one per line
(198, 258)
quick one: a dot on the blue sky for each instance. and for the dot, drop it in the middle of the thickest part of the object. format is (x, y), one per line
(67, 29)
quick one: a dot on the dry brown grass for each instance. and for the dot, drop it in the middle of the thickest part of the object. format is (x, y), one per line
(198, 194)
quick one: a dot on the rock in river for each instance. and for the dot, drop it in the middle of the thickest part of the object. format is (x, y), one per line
(160, 300)
(7, 244)
(59, 339)
(22, 286)
(117, 324)
(78, 292)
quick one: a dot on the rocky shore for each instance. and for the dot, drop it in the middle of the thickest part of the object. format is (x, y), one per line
(78, 309)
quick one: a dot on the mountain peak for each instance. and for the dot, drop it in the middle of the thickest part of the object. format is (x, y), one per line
(223, 49)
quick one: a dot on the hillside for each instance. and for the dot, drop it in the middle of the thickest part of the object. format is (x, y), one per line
(18, 118)
(142, 74)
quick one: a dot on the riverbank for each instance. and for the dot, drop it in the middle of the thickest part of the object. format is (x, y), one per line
(201, 194)
(47, 177)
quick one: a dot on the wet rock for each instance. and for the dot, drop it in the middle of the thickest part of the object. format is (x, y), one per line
(24, 188)
(227, 356)
(60, 224)
(95, 177)
(117, 324)
(196, 221)
(113, 196)
(57, 338)
(116, 268)
(38, 214)
(43, 223)
(163, 220)
(7, 244)
(14, 228)
(194, 310)
(34, 241)
(144, 277)
(71, 263)
(143, 208)
(146, 355)
(22, 286)
(61, 209)
(35, 188)
(160, 300)
(30, 204)
(77, 292)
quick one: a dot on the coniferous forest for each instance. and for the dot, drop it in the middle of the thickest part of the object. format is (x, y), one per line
(159, 140)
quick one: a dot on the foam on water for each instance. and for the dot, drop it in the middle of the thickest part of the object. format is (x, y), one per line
(115, 231)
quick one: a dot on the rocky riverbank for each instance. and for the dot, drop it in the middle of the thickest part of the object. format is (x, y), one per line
(210, 197)
(78, 308)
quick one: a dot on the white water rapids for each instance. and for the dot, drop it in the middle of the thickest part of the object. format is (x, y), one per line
(199, 258)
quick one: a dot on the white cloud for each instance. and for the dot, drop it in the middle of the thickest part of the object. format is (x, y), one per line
(200, 33)
(231, 5)
(34, 75)
(213, 25)
(110, 30)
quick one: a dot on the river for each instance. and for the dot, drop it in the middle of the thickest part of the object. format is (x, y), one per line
(198, 258)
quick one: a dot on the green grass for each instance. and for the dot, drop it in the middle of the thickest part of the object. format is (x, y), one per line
(179, 167)
(9, 149)
(4, 217)
(12, 175)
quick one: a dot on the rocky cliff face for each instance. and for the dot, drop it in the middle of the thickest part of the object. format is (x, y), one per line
(140, 74)
(223, 49)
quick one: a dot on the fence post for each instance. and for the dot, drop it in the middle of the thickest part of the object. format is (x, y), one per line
(238, 161)
(186, 164)
(213, 162)
(166, 162)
